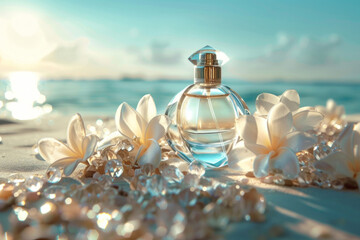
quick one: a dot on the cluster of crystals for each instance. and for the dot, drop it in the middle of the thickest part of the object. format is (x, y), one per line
(101, 128)
(162, 203)
(309, 160)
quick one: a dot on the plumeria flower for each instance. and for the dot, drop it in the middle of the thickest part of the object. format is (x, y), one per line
(78, 149)
(269, 144)
(304, 119)
(332, 110)
(334, 116)
(144, 128)
(346, 162)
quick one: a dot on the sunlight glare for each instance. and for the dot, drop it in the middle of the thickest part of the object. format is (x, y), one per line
(25, 92)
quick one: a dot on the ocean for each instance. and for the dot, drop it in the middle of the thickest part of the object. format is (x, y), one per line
(102, 97)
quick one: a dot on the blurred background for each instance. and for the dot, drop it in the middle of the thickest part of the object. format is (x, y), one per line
(89, 56)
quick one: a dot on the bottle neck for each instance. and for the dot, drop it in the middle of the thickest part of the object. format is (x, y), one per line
(207, 74)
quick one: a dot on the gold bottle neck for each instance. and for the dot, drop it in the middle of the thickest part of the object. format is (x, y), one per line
(207, 74)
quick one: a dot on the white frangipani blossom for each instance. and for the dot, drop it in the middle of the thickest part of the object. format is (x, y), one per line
(143, 128)
(346, 162)
(332, 110)
(78, 149)
(305, 118)
(269, 144)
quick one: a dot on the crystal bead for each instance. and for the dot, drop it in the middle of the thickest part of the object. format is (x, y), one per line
(53, 174)
(172, 173)
(34, 183)
(322, 150)
(126, 145)
(156, 185)
(114, 168)
(105, 181)
(187, 197)
(279, 180)
(216, 216)
(197, 168)
(54, 192)
(337, 184)
(16, 178)
(147, 169)
(190, 180)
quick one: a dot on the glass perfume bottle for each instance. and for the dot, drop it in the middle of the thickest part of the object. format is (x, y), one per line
(203, 114)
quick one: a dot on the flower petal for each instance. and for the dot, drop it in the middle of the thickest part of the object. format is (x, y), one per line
(291, 99)
(346, 140)
(241, 158)
(253, 130)
(129, 122)
(356, 142)
(152, 155)
(110, 140)
(146, 107)
(76, 133)
(62, 163)
(299, 141)
(331, 106)
(339, 162)
(280, 123)
(307, 120)
(264, 102)
(261, 165)
(68, 164)
(52, 150)
(69, 169)
(287, 161)
(89, 146)
(157, 127)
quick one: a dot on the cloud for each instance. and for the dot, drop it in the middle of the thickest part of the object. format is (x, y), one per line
(159, 53)
(301, 58)
(68, 53)
(303, 50)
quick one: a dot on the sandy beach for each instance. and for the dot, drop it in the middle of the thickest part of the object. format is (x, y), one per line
(294, 213)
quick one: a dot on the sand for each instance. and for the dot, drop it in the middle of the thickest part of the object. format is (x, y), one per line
(293, 213)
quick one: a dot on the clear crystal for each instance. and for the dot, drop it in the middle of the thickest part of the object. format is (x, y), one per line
(53, 174)
(16, 178)
(197, 57)
(147, 169)
(34, 183)
(187, 197)
(197, 168)
(172, 173)
(114, 168)
(105, 181)
(156, 185)
(126, 145)
(191, 180)
(54, 192)
(322, 150)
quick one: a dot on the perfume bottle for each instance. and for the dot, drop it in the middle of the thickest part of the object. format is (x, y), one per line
(203, 114)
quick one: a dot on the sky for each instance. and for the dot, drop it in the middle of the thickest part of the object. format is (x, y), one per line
(265, 40)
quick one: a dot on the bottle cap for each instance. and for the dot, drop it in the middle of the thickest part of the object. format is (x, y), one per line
(208, 62)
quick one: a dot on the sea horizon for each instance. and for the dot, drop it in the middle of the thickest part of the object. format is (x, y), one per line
(102, 97)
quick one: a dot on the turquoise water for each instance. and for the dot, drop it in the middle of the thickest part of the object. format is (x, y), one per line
(102, 97)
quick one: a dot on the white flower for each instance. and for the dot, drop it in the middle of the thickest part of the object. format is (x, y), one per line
(346, 162)
(78, 149)
(305, 118)
(269, 144)
(144, 128)
(331, 111)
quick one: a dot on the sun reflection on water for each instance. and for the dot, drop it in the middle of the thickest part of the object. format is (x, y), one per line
(25, 102)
